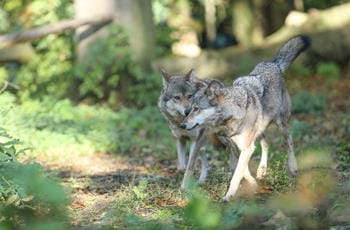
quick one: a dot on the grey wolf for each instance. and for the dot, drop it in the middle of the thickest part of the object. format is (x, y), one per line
(175, 103)
(243, 111)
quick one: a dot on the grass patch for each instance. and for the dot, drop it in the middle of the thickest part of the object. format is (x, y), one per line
(55, 128)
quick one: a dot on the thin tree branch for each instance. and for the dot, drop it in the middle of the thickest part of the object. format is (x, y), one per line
(11, 39)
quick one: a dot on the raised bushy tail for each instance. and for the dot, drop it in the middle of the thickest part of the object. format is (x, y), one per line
(290, 51)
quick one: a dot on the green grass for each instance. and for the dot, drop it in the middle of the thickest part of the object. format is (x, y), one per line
(55, 128)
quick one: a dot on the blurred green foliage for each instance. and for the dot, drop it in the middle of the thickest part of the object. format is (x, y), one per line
(306, 102)
(201, 213)
(299, 129)
(329, 71)
(300, 70)
(109, 73)
(28, 198)
(48, 72)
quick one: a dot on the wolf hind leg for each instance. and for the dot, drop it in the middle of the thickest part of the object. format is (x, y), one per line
(262, 169)
(292, 161)
(232, 148)
(250, 179)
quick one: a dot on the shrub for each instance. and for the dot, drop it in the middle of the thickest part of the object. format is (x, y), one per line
(330, 71)
(300, 70)
(312, 103)
(27, 197)
(49, 71)
(108, 72)
(299, 129)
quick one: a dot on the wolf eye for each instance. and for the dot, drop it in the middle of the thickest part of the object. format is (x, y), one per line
(189, 96)
(177, 97)
(195, 109)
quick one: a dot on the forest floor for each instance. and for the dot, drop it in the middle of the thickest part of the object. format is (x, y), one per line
(133, 189)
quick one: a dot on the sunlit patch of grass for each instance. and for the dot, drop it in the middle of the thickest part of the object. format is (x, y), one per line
(142, 205)
(60, 129)
(315, 158)
(277, 173)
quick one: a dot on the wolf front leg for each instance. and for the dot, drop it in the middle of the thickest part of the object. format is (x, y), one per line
(204, 166)
(181, 153)
(195, 148)
(233, 164)
(241, 171)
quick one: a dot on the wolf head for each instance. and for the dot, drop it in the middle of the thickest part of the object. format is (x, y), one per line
(205, 107)
(178, 93)
(215, 105)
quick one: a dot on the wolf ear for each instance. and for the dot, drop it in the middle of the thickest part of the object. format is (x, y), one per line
(200, 85)
(189, 75)
(214, 87)
(238, 109)
(166, 77)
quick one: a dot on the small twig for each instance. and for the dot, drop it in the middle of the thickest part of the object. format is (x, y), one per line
(7, 84)
(4, 87)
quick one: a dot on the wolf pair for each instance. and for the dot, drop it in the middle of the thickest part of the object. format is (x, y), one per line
(237, 114)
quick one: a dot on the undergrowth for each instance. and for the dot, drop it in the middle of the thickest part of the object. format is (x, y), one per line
(28, 198)
(51, 127)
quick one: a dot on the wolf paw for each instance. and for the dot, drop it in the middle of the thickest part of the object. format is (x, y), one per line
(261, 172)
(202, 180)
(184, 186)
(181, 168)
(226, 198)
(203, 177)
(293, 172)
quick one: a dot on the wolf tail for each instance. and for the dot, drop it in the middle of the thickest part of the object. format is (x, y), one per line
(290, 51)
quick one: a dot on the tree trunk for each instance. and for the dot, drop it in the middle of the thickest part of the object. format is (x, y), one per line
(135, 16)
(87, 35)
(248, 31)
(142, 31)
(210, 21)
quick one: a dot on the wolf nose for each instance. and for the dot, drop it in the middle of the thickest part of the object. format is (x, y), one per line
(187, 111)
(182, 126)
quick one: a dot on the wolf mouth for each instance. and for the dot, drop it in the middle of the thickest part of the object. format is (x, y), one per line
(193, 126)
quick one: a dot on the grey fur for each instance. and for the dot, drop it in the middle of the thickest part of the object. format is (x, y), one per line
(175, 99)
(290, 51)
(174, 111)
(243, 111)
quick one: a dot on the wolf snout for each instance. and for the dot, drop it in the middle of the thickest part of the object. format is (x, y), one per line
(183, 126)
(187, 111)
